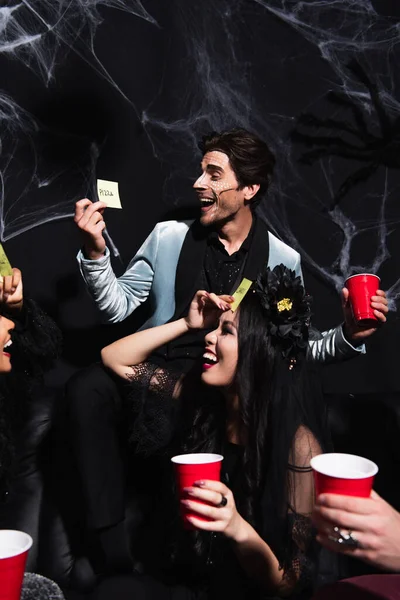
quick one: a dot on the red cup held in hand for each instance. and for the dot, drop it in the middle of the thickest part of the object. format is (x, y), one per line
(195, 467)
(361, 287)
(344, 474)
(14, 547)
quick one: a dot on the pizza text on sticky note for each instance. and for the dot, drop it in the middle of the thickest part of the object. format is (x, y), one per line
(107, 192)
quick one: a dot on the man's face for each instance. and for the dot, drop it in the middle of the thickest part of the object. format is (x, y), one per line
(217, 189)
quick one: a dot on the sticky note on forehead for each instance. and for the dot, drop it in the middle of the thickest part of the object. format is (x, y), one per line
(107, 191)
(240, 293)
(5, 267)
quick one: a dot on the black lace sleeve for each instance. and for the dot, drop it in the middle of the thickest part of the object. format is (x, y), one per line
(302, 546)
(303, 549)
(150, 394)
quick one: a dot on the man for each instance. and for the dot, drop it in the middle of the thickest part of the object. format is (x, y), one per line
(227, 242)
(215, 252)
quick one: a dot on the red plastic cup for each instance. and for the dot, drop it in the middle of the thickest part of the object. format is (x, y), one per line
(345, 474)
(361, 288)
(195, 467)
(14, 547)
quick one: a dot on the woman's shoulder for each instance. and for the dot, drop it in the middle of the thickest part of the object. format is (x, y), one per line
(305, 446)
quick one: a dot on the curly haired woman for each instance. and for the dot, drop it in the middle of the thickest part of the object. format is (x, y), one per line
(29, 342)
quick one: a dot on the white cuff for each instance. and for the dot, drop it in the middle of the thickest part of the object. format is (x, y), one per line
(93, 263)
(360, 349)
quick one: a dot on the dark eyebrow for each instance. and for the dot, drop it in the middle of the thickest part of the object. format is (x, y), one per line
(211, 167)
(229, 323)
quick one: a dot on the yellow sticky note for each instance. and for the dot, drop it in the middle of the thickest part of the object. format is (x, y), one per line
(240, 293)
(5, 267)
(107, 191)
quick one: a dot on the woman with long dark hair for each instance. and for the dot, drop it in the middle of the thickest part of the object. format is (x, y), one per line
(256, 400)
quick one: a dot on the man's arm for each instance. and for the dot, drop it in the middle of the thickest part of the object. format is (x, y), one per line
(115, 297)
(332, 346)
(347, 339)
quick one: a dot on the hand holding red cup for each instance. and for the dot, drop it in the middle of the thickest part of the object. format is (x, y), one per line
(361, 289)
(345, 474)
(195, 467)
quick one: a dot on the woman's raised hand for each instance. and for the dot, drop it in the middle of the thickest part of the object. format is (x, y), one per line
(205, 309)
(11, 290)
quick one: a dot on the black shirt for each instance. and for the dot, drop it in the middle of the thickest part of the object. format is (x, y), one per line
(222, 271)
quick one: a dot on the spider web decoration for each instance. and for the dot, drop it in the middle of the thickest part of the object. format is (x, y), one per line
(233, 74)
(221, 93)
(375, 149)
(41, 34)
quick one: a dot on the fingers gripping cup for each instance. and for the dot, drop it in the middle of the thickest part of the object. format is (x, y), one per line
(361, 288)
(345, 474)
(14, 547)
(195, 467)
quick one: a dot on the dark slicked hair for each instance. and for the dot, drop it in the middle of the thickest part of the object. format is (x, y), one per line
(250, 158)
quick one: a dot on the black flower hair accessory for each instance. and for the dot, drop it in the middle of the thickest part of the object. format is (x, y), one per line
(287, 308)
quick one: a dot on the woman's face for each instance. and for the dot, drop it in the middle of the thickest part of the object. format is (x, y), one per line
(6, 326)
(221, 354)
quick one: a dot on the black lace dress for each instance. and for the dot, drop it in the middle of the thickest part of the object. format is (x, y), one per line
(199, 565)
